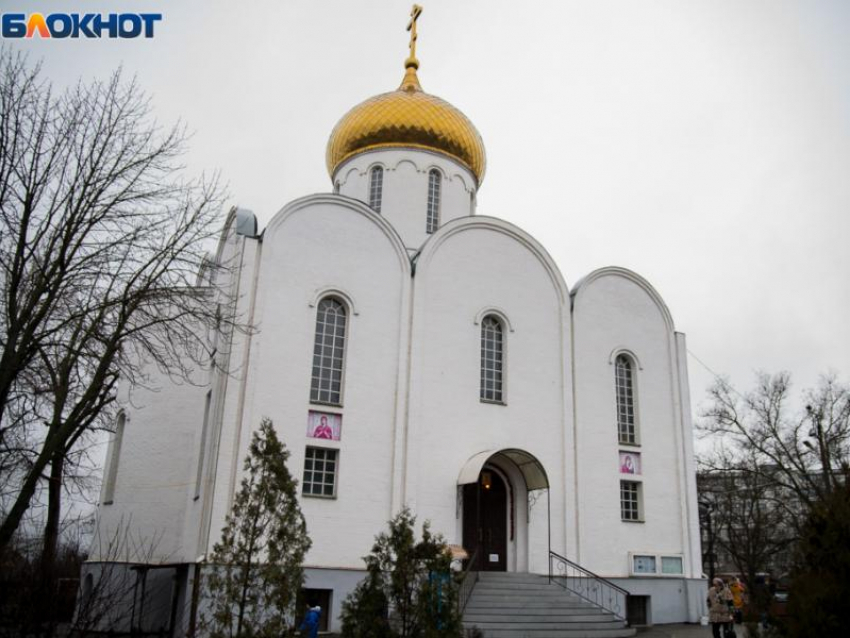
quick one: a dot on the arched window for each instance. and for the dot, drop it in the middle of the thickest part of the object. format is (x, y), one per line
(624, 378)
(492, 359)
(376, 188)
(432, 222)
(112, 461)
(86, 597)
(328, 352)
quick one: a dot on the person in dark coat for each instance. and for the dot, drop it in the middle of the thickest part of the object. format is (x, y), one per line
(311, 622)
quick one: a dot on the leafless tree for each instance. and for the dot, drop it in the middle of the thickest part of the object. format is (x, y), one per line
(122, 584)
(770, 463)
(803, 453)
(101, 243)
(749, 526)
(26, 609)
(110, 585)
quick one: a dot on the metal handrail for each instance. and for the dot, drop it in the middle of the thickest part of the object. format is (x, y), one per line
(467, 581)
(589, 586)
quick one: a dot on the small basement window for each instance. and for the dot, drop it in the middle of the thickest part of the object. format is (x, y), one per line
(643, 564)
(671, 565)
(657, 564)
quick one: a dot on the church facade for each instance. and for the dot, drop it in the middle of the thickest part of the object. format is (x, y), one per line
(412, 352)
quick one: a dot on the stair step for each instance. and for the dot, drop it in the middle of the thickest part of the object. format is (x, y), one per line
(517, 587)
(515, 605)
(520, 589)
(545, 605)
(512, 576)
(624, 632)
(543, 597)
(540, 626)
(535, 619)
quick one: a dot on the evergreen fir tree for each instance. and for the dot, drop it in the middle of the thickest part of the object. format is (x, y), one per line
(365, 611)
(820, 585)
(256, 568)
(409, 591)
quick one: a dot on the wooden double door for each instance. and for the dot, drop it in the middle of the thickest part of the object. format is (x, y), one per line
(485, 515)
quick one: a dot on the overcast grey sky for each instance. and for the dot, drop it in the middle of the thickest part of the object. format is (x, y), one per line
(703, 144)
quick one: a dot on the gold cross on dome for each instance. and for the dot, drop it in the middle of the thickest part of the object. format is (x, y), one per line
(414, 15)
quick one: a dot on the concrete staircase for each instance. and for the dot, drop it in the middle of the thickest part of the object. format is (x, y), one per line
(516, 605)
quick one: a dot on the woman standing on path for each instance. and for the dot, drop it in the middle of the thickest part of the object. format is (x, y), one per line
(739, 597)
(719, 609)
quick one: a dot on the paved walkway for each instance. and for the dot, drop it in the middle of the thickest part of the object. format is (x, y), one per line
(684, 631)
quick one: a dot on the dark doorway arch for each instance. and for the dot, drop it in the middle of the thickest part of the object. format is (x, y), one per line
(490, 516)
(485, 520)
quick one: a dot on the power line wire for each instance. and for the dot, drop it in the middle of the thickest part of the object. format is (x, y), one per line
(716, 376)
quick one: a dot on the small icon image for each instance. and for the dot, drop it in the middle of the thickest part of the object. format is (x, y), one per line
(629, 463)
(324, 425)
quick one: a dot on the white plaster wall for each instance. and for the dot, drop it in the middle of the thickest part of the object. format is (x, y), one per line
(223, 454)
(691, 511)
(470, 266)
(318, 244)
(405, 188)
(615, 309)
(412, 416)
(146, 517)
(161, 447)
(671, 600)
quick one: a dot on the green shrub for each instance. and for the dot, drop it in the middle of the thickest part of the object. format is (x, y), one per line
(820, 586)
(408, 591)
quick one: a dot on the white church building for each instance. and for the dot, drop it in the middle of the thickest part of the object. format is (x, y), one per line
(414, 352)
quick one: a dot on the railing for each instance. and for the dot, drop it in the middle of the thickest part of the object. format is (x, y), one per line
(587, 585)
(467, 581)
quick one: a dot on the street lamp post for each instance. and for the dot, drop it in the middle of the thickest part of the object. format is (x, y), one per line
(705, 510)
(823, 450)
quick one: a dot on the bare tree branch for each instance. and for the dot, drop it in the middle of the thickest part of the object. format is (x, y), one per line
(101, 243)
(769, 467)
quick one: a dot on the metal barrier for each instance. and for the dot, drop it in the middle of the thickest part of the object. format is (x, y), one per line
(467, 581)
(588, 586)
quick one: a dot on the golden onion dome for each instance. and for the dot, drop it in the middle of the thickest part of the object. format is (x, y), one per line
(407, 118)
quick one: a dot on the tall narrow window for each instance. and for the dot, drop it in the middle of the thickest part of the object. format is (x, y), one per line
(328, 352)
(202, 453)
(86, 594)
(112, 462)
(432, 222)
(492, 355)
(376, 188)
(625, 400)
(320, 466)
(630, 501)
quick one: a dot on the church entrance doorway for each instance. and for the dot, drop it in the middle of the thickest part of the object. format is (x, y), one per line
(496, 514)
(485, 520)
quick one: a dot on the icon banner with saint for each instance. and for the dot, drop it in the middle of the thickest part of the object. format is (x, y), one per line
(324, 425)
(629, 462)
